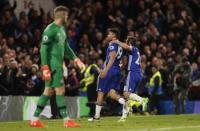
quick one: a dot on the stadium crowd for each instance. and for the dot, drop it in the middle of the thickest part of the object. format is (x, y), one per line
(168, 35)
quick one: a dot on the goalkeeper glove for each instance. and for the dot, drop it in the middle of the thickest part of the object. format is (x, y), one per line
(80, 64)
(46, 73)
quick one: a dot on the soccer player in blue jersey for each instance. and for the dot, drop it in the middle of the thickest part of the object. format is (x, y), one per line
(109, 78)
(134, 73)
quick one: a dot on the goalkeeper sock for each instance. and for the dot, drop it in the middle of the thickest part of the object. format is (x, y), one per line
(61, 106)
(40, 105)
(135, 97)
(98, 111)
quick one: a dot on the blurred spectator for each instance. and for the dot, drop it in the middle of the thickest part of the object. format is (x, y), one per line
(89, 84)
(155, 90)
(72, 82)
(167, 32)
(182, 81)
(195, 72)
(34, 83)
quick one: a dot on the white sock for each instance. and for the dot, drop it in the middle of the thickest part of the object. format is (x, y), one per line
(134, 96)
(97, 111)
(35, 118)
(66, 118)
(124, 112)
(121, 101)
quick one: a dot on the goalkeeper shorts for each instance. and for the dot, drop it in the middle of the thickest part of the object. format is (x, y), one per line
(56, 78)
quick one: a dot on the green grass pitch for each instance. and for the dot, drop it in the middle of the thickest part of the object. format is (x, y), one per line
(133, 123)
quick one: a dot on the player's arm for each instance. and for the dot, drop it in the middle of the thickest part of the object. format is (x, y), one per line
(72, 56)
(43, 54)
(45, 43)
(69, 52)
(124, 46)
(112, 57)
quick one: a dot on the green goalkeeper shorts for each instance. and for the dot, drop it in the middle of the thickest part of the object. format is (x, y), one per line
(56, 78)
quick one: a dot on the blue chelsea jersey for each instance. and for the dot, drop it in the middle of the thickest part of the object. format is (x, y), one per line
(134, 62)
(113, 47)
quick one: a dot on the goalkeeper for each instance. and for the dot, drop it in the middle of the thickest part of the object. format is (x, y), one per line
(53, 48)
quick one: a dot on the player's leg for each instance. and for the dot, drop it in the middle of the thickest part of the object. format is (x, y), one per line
(35, 122)
(101, 84)
(60, 101)
(132, 82)
(130, 87)
(58, 83)
(100, 98)
(132, 96)
(115, 96)
(114, 84)
(99, 105)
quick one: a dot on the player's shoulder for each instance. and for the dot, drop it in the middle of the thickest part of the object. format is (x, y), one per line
(113, 43)
(135, 49)
(50, 27)
(113, 46)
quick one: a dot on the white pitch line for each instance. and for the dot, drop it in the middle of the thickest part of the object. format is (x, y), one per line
(165, 128)
(175, 128)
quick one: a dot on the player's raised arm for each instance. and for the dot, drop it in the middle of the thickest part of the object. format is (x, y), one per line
(124, 45)
(130, 42)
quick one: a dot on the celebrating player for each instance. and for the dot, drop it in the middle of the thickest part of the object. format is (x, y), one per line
(109, 78)
(134, 73)
(53, 48)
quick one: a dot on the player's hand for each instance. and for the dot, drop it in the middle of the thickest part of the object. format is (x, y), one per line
(103, 73)
(80, 64)
(46, 73)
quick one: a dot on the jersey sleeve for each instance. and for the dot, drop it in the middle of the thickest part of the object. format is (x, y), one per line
(47, 35)
(113, 47)
(47, 38)
(69, 52)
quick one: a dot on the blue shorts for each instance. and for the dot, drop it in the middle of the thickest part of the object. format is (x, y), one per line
(132, 81)
(111, 81)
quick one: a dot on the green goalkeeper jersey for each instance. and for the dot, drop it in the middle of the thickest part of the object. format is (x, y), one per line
(54, 46)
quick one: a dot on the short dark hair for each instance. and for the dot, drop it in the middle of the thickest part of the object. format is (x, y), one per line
(61, 8)
(115, 31)
(131, 39)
